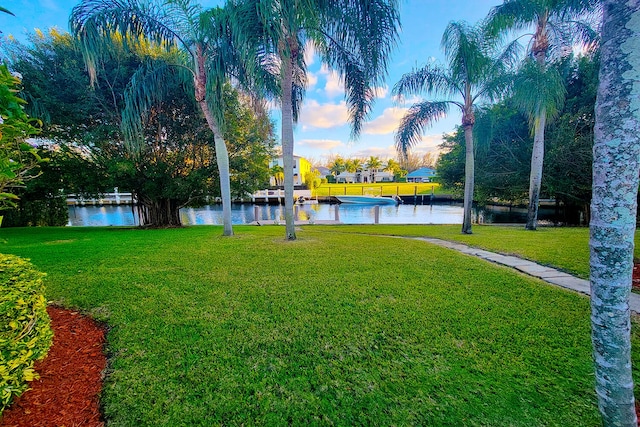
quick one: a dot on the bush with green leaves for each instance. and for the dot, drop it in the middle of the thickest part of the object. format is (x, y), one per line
(25, 327)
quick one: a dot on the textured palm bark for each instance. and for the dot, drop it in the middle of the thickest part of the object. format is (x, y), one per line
(535, 177)
(539, 50)
(222, 154)
(287, 146)
(616, 164)
(222, 158)
(469, 177)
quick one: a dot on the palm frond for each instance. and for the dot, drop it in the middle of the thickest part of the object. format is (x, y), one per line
(431, 80)
(419, 117)
(148, 86)
(537, 89)
(7, 11)
(366, 28)
(93, 22)
(355, 39)
(568, 10)
(511, 54)
(358, 85)
(189, 20)
(511, 15)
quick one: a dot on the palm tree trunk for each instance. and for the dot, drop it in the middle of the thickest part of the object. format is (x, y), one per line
(469, 177)
(616, 155)
(222, 159)
(287, 146)
(535, 177)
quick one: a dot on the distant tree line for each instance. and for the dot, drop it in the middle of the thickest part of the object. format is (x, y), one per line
(504, 146)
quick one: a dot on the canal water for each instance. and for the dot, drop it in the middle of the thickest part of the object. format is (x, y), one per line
(347, 214)
(245, 214)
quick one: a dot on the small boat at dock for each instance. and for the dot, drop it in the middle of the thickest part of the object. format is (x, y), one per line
(367, 200)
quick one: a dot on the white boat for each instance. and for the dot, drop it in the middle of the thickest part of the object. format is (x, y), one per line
(367, 200)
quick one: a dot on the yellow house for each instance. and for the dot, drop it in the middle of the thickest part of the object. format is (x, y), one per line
(301, 167)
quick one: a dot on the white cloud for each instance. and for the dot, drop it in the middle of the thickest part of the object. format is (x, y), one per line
(312, 79)
(334, 86)
(381, 92)
(401, 100)
(323, 116)
(309, 53)
(386, 123)
(427, 144)
(320, 144)
(383, 153)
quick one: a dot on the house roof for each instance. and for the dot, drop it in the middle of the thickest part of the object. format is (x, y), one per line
(323, 170)
(421, 172)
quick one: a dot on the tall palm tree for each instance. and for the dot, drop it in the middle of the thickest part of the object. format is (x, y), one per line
(556, 26)
(353, 165)
(474, 72)
(373, 164)
(352, 37)
(616, 162)
(337, 166)
(204, 40)
(392, 166)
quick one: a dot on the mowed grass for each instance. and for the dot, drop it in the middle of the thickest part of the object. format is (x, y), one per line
(336, 328)
(566, 248)
(378, 189)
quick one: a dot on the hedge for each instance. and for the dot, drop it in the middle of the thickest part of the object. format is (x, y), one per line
(25, 330)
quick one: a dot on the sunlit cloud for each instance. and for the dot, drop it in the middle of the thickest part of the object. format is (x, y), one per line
(407, 101)
(333, 86)
(383, 153)
(312, 80)
(386, 123)
(381, 92)
(324, 116)
(428, 144)
(320, 144)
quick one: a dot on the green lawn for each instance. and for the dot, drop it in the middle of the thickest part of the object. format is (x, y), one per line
(564, 248)
(337, 328)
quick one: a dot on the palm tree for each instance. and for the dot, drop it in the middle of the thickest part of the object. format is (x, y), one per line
(352, 37)
(616, 155)
(373, 164)
(555, 26)
(337, 166)
(353, 165)
(392, 166)
(206, 51)
(474, 72)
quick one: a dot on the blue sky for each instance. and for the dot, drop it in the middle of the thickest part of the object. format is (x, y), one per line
(323, 129)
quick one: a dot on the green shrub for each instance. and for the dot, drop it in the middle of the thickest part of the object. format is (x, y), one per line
(25, 330)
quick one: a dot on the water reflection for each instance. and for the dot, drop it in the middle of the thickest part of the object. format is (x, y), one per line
(245, 214)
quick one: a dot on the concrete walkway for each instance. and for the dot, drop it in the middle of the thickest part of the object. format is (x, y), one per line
(548, 274)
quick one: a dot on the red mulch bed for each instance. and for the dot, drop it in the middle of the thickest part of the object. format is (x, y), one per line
(68, 391)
